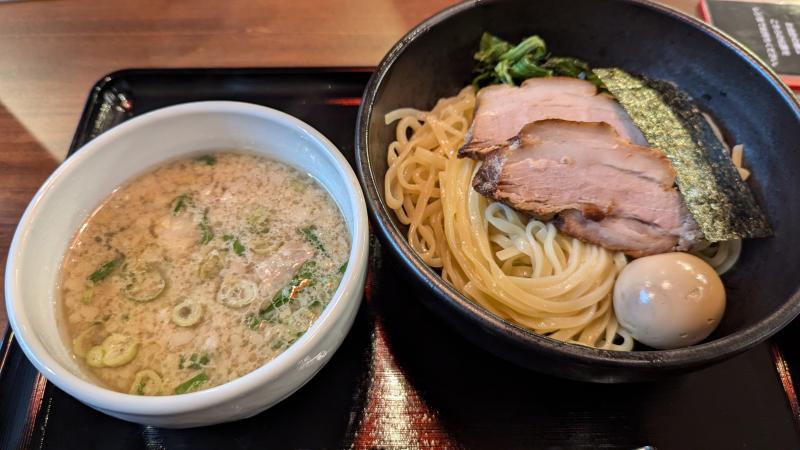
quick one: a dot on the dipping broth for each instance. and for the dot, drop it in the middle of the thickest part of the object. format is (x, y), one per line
(198, 272)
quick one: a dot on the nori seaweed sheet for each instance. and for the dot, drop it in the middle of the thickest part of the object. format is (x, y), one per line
(716, 196)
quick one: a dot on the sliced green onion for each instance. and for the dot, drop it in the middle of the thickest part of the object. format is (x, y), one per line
(236, 244)
(208, 160)
(298, 185)
(258, 221)
(94, 357)
(86, 299)
(105, 270)
(119, 349)
(236, 293)
(180, 203)
(206, 233)
(187, 313)
(263, 246)
(301, 320)
(84, 341)
(143, 283)
(191, 384)
(210, 266)
(309, 233)
(146, 382)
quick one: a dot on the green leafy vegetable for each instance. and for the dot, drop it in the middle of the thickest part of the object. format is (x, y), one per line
(491, 49)
(238, 248)
(180, 203)
(205, 229)
(497, 61)
(526, 67)
(209, 160)
(309, 233)
(343, 267)
(532, 46)
(572, 67)
(191, 384)
(105, 270)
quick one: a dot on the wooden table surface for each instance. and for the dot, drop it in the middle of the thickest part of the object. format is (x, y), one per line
(52, 52)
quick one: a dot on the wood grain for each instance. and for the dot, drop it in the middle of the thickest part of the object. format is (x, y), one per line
(53, 51)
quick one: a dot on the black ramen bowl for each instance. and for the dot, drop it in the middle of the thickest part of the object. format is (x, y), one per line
(750, 103)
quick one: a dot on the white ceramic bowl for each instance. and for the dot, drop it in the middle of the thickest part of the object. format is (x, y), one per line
(88, 177)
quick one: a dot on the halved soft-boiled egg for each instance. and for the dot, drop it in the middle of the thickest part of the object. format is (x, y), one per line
(669, 300)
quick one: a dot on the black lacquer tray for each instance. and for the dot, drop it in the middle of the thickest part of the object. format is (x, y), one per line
(401, 378)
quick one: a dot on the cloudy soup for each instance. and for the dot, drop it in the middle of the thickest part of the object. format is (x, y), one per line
(198, 272)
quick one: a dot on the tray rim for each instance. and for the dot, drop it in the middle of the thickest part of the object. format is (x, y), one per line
(111, 77)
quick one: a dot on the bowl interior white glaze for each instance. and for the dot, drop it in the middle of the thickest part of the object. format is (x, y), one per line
(88, 177)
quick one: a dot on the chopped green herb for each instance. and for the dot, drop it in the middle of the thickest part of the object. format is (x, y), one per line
(124, 317)
(105, 270)
(238, 248)
(205, 229)
(310, 235)
(304, 277)
(180, 203)
(191, 384)
(140, 386)
(195, 361)
(209, 160)
(236, 244)
(253, 321)
(343, 267)
(144, 282)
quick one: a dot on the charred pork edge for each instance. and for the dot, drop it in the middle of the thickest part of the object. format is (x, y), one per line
(488, 175)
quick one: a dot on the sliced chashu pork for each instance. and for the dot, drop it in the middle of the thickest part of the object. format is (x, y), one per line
(502, 110)
(598, 186)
